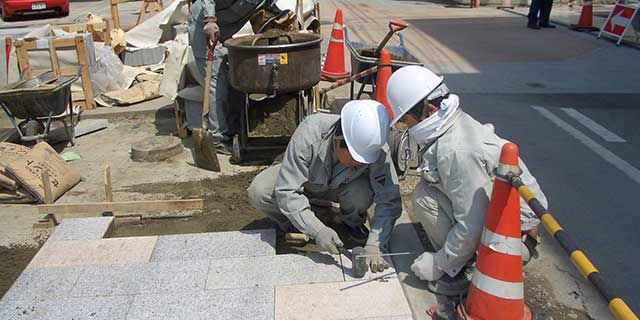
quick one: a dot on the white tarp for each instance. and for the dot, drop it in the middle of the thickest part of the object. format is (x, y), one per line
(151, 32)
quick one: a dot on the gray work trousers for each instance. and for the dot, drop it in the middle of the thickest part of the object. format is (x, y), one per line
(225, 102)
(434, 212)
(354, 198)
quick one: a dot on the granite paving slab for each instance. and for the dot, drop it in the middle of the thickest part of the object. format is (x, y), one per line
(109, 281)
(248, 303)
(29, 309)
(66, 253)
(82, 229)
(268, 271)
(215, 245)
(174, 276)
(95, 308)
(376, 299)
(43, 284)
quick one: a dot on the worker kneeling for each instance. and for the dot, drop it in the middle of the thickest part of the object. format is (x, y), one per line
(459, 158)
(342, 159)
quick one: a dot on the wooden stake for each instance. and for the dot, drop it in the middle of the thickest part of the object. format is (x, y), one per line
(46, 182)
(107, 184)
(72, 209)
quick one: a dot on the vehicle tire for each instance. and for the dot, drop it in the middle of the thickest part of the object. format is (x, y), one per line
(5, 18)
(64, 14)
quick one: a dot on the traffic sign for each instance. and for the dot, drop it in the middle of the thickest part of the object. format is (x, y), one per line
(619, 20)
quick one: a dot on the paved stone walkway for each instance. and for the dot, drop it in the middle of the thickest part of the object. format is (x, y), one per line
(78, 274)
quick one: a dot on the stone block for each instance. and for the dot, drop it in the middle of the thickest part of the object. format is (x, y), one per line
(215, 245)
(43, 284)
(82, 229)
(30, 309)
(94, 252)
(377, 299)
(174, 276)
(246, 303)
(269, 271)
(95, 308)
(112, 280)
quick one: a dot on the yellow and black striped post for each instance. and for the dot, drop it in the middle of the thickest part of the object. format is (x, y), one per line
(617, 306)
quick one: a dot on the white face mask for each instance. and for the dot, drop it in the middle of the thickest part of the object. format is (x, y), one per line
(436, 124)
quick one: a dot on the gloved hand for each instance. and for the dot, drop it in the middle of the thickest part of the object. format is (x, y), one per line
(327, 239)
(211, 29)
(425, 267)
(375, 262)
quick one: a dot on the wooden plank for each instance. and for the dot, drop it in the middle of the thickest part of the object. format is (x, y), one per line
(46, 183)
(126, 206)
(115, 15)
(53, 55)
(23, 59)
(107, 184)
(87, 88)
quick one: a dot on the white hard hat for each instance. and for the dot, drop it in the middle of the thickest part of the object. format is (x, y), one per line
(365, 126)
(411, 84)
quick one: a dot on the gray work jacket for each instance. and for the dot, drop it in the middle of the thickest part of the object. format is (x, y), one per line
(461, 164)
(308, 165)
(231, 14)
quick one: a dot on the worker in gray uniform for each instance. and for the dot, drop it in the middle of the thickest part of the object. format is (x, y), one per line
(459, 157)
(342, 159)
(211, 22)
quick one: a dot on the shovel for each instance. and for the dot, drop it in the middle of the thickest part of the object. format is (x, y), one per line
(205, 144)
(394, 26)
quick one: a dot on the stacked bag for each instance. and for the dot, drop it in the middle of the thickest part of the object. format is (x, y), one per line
(21, 170)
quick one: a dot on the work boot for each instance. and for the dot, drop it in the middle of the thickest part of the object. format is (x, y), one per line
(533, 26)
(223, 147)
(452, 286)
(359, 234)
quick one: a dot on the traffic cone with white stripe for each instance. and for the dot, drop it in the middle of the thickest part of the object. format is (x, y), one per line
(333, 68)
(497, 291)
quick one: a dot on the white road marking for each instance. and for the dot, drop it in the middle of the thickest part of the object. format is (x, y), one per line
(624, 166)
(603, 132)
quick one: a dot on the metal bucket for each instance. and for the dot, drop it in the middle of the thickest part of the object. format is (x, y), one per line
(261, 64)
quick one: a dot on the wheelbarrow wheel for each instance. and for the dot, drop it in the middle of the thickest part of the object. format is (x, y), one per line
(33, 128)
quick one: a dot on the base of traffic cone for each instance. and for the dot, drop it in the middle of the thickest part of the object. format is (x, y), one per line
(577, 27)
(328, 76)
(462, 314)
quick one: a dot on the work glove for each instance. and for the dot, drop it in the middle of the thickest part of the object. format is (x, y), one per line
(425, 267)
(327, 239)
(211, 30)
(375, 262)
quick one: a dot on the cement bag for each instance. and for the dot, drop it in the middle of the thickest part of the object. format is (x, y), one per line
(28, 172)
(9, 152)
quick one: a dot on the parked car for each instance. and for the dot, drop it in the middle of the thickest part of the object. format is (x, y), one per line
(11, 8)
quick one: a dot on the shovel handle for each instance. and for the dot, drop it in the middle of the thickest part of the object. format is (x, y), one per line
(397, 25)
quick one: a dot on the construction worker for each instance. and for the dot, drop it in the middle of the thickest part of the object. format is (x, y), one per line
(211, 22)
(342, 159)
(458, 159)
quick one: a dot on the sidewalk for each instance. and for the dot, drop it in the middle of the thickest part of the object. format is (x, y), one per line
(562, 14)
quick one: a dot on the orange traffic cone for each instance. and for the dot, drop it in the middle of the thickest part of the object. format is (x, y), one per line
(7, 48)
(496, 290)
(333, 68)
(586, 19)
(384, 73)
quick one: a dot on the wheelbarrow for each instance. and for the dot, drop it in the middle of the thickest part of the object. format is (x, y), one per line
(363, 57)
(38, 101)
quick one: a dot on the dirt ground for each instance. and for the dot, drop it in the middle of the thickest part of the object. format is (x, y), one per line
(14, 260)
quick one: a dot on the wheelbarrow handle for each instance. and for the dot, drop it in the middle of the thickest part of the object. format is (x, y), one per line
(397, 25)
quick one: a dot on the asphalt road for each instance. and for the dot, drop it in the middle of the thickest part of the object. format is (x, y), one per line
(572, 104)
